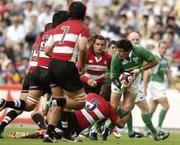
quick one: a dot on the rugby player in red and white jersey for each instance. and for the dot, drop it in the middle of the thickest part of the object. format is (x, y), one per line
(11, 115)
(39, 83)
(68, 40)
(97, 64)
(96, 108)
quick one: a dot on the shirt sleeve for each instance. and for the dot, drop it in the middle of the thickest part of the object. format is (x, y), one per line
(115, 66)
(85, 32)
(146, 54)
(50, 41)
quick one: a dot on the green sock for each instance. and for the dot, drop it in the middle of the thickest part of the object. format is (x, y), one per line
(146, 127)
(119, 111)
(162, 115)
(99, 123)
(130, 123)
(147, 120)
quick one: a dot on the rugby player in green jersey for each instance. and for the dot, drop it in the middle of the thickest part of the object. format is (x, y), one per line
(128, 58)
(142, 104)
(158, 83)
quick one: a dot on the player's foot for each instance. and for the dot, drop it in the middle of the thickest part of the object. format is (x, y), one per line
(93, 136)
(115, 133)
(105, 133)
(2, 104)
(69, 139)
(134, 134)
(161, 136)
(1, 134)
(58, 133)
(48, 138)
(147, 134)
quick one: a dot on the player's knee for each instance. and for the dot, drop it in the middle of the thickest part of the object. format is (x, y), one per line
(126, 109)
(166, 107)
(145, 110)
(29, 106)
(19, 112)
(31, 102)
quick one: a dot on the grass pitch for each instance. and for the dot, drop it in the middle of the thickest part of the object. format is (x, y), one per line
(174, 139)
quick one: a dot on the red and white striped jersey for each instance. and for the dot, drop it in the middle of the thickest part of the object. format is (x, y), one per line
(34, 56)
(44, 60)
(96, 108)
(64, 39)
(96, 69)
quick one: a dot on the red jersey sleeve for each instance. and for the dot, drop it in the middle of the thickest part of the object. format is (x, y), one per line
(85, 32)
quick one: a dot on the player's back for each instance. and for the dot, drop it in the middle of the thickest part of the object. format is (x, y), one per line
(34, 55)
(96, 108)
(44, 60)
(65, 37)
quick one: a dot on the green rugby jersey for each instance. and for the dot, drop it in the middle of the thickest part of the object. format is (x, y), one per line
(159, 71)
(137, 56)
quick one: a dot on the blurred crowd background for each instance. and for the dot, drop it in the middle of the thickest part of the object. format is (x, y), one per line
(22, 21)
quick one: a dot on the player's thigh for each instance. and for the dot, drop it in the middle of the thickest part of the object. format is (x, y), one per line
(115, 98)
(128, 101)
(26, 83)
(33, 97)
(23, 96)
(78, 95)
(56, 91)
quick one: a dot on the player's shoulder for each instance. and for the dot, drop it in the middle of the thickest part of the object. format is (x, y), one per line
(116, 57)
(138, 47)
(139, 50)
(93, 96)
(48, 33)
(37, 41)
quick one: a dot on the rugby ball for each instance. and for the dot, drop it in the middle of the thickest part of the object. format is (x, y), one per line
(125, 77)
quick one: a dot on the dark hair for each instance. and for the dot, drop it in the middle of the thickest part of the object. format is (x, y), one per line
(99, 37)
(113, 42)
(170, 18)
(77, 10)
(92, 36)
(60, 17)
(48, 26)
(124, 44)
(105, 92)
